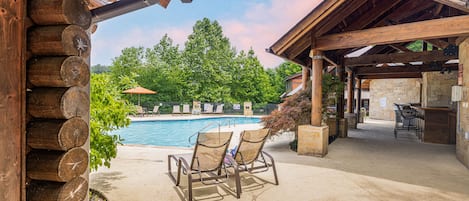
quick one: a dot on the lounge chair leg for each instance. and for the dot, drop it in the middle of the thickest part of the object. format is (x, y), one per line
(189, 184)
(238, 183)
(275, 172)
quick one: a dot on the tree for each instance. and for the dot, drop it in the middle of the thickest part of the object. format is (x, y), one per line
(100, 69)
(127, 64)
(207, 58)
(278, 75)
(108, 112)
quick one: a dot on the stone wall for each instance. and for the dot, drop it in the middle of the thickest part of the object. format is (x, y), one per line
(462, 143)
(437, 88)
(384, 93)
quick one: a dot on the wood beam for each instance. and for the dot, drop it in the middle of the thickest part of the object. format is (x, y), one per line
(305, 25)
(391, 76)
(405, 10)
(403, 69)
(400, 48)
(458, 4)
(359, 97)
(365, 19)
(350, 92)
(12, 99)
(430, 29)
(316, 104)
(305, 77)
(438, 43)
(427, 56)
(339, 16)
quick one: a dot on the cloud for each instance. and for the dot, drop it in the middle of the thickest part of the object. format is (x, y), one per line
(257, 27)
(262, 24)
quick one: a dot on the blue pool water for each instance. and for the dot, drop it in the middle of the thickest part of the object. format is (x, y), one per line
(173, 132)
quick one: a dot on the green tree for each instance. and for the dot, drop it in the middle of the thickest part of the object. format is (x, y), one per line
(278, 75)
(108, 112)
(100, 69)
(127, 64)
(208, 57)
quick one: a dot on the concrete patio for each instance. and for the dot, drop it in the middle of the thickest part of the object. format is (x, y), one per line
(369, 165)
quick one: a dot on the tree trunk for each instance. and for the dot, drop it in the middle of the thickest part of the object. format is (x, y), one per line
(61, 40)
(52, 12)
(58, 103)
(56, 165)
(58, 72)
(75, 190)
(59, 135)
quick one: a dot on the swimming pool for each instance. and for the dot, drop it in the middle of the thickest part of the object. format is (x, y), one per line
(174, 132)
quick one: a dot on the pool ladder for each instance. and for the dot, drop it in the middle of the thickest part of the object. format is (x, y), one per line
(228, 122)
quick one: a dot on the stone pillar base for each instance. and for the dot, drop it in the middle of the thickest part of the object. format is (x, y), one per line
(343, 128)
(332, 124)
(352, 120)
(313, 140)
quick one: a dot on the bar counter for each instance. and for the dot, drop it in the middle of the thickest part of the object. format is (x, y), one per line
(437, 125)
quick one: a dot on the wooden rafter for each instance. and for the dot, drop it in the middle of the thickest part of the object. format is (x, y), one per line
(427, 56)
(458, 4)
(391, 76)
(403, 69)
(430, 29)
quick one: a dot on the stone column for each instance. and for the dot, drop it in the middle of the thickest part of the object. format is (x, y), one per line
(462, 137)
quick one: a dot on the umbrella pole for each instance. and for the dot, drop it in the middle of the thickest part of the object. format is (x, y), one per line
(138, 99)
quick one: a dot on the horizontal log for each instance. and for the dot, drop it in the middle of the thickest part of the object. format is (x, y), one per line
(59, 135)
(429, 29)
(60, 40)
(58, 71)
(58, 103)
(53, 12)
(74, 190)
(425, 56)
(403, 69)
(391, 76)
(56, 165)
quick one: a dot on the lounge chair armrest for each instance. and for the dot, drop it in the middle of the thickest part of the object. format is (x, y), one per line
(231, 160)
(269, 156)
(185, 164)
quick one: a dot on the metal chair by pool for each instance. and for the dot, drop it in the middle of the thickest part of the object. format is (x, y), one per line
(206, 163)
(249, 153)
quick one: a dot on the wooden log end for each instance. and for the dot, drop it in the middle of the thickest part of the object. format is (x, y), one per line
(56, 165)
(52, 12)
(58, 71)
(75, 190)
(60, 40)
(58, 135)
(58, 103)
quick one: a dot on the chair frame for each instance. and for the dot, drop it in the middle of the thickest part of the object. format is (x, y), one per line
(259, 158)
(184, 168)
(401, 118)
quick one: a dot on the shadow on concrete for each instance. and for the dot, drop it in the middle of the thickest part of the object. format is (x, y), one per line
(104, 181)
(373, 151)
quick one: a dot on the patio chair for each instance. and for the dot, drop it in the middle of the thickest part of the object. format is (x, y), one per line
(155, 110)
(206, 163)
(208, 108)
(405, 118)
(186, 109)
(176, 109)
(140, 111)
(248, 155)
(219, 109)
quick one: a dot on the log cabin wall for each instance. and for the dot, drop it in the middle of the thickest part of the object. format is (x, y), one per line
(58, 100)
(12, 99)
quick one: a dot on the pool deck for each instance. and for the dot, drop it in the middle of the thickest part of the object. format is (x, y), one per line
(368, 165)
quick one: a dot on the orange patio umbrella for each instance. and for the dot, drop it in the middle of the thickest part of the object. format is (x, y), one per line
(139, 90)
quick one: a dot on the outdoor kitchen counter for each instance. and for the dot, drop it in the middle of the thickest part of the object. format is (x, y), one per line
(438, 125)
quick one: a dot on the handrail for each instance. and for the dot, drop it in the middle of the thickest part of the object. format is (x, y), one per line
(220, 124)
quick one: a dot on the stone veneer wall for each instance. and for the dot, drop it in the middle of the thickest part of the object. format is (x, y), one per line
(384, 93)
(462, 144)
(436, 91)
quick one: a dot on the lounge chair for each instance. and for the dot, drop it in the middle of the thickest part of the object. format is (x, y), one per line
(206, 162)
(249, 156)
(208, 108)
(140, 111)
(219, 109)
(186, 109)
(176, 109)
(155, 110)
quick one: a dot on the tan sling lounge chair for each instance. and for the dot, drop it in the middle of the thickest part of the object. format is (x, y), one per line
(186, 109)
(176, 109)
(206, 163)
(249, 155)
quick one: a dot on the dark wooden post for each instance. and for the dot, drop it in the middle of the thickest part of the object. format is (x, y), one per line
(340, 96)
(12, 99)
(350, 92)
(305, 77)
(317, 61)
(359, 98)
